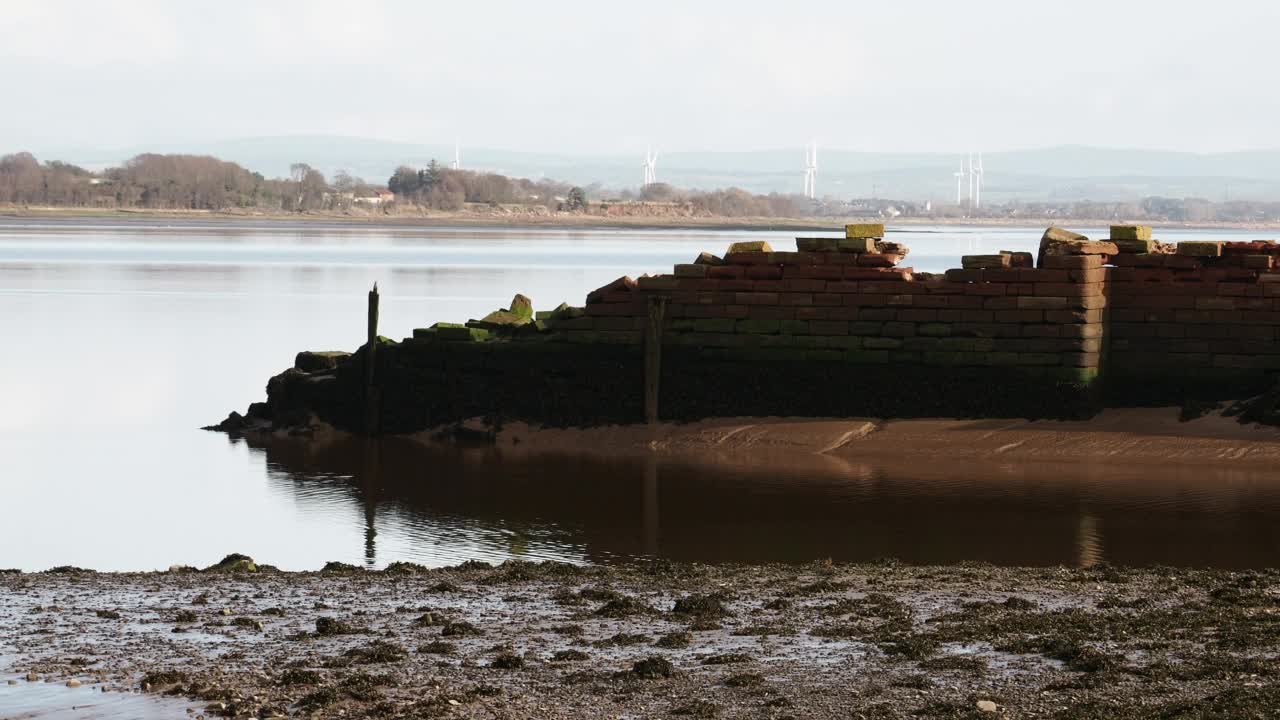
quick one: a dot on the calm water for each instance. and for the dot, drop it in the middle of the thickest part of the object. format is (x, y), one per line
(119, 340)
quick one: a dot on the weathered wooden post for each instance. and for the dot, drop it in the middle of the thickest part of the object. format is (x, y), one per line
(653, 356)
(370, 359)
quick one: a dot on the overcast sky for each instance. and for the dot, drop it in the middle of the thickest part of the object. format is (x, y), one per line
(600, 77)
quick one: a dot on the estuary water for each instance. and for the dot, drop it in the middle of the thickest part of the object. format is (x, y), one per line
(118, 340)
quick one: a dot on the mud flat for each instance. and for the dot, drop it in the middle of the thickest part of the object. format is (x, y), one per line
(660, 640)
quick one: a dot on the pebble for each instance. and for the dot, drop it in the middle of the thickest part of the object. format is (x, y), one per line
(986, 706)
(73, 683)
(32, 677)
(13, 682)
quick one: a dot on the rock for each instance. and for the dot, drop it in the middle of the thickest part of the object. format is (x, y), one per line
(706, 258)
(987, 706)
(234, 563)
(864, 230)
(73, 683)
(32, 677)
(894, 248)
(750, 246)
(316, 360)
(521, 306)
(12, 682)
(622, 284)
(499, 319)
(234, 423)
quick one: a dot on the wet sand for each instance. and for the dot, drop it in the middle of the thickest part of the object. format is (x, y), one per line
(526, 640)
(1150, 436)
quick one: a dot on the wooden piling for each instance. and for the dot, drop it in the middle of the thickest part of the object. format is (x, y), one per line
(370, 362)
(653, 356)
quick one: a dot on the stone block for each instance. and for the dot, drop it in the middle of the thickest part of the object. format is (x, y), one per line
(1057, 234)
(714, 325)
(857, 245)
(984, 262)
(657, 282)
(706, 258)
(1258, 262)
(1200, 248)
(1134, 247)
(750, 246)
(1020, 259)
(1130, 232)
(817, 244)
(460, 333)
(758, 327)
(1071, 262)
(691, 271)
(864, 230)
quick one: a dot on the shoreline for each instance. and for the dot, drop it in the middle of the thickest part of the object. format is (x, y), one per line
(455, 219)
(1136, 436)
(659, 639)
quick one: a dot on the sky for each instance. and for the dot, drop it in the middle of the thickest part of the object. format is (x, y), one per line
(600, 77)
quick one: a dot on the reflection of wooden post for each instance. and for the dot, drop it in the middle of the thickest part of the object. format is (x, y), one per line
(370, 358)
(649, 506)
(653, 357)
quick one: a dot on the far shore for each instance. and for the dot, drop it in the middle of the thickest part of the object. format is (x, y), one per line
(421, 218)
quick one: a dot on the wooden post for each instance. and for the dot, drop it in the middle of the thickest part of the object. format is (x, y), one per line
(370, 362)
(653, 357)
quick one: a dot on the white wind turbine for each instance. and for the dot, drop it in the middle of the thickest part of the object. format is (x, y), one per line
(811, 171)
(977, 171)
(650, 167)
(971, 179)
(959, 175)
(457, 157)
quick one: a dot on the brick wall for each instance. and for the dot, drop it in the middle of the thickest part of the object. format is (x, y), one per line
(839, 327)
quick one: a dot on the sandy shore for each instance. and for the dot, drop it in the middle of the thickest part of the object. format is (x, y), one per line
(1129, 435)
(524, 640)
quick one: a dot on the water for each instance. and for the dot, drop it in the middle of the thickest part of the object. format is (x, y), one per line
(122, 338)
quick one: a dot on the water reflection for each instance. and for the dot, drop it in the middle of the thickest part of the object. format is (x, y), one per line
(440, 506)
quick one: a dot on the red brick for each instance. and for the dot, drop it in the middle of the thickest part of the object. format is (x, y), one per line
(878, 260)
(985, 289)
(1072, 262)
(914, 315)
(1001, 275)
(764, 272)
(812, 272)
(1068, 289)
(828, 327)
(747, 258)
(727, 272)
(1043, 275)
(803, 285)
(828, 299)
(795, 299)
(961, 275)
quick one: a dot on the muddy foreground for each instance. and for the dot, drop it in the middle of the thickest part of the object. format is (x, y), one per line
(525, 640)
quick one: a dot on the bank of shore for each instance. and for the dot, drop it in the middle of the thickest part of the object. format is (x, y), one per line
(488, 218)
(526, 640)
(1144, 436)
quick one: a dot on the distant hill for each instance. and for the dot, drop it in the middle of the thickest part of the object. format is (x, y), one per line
(1057, 173)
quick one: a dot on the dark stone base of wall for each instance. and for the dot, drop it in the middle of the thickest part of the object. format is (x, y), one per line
(429, 385)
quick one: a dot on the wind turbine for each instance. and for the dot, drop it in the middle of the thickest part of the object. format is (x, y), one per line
(959, 175)
(811, 171)
(457, 157)
(650, 167)
(977, 197)
(971, 179)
